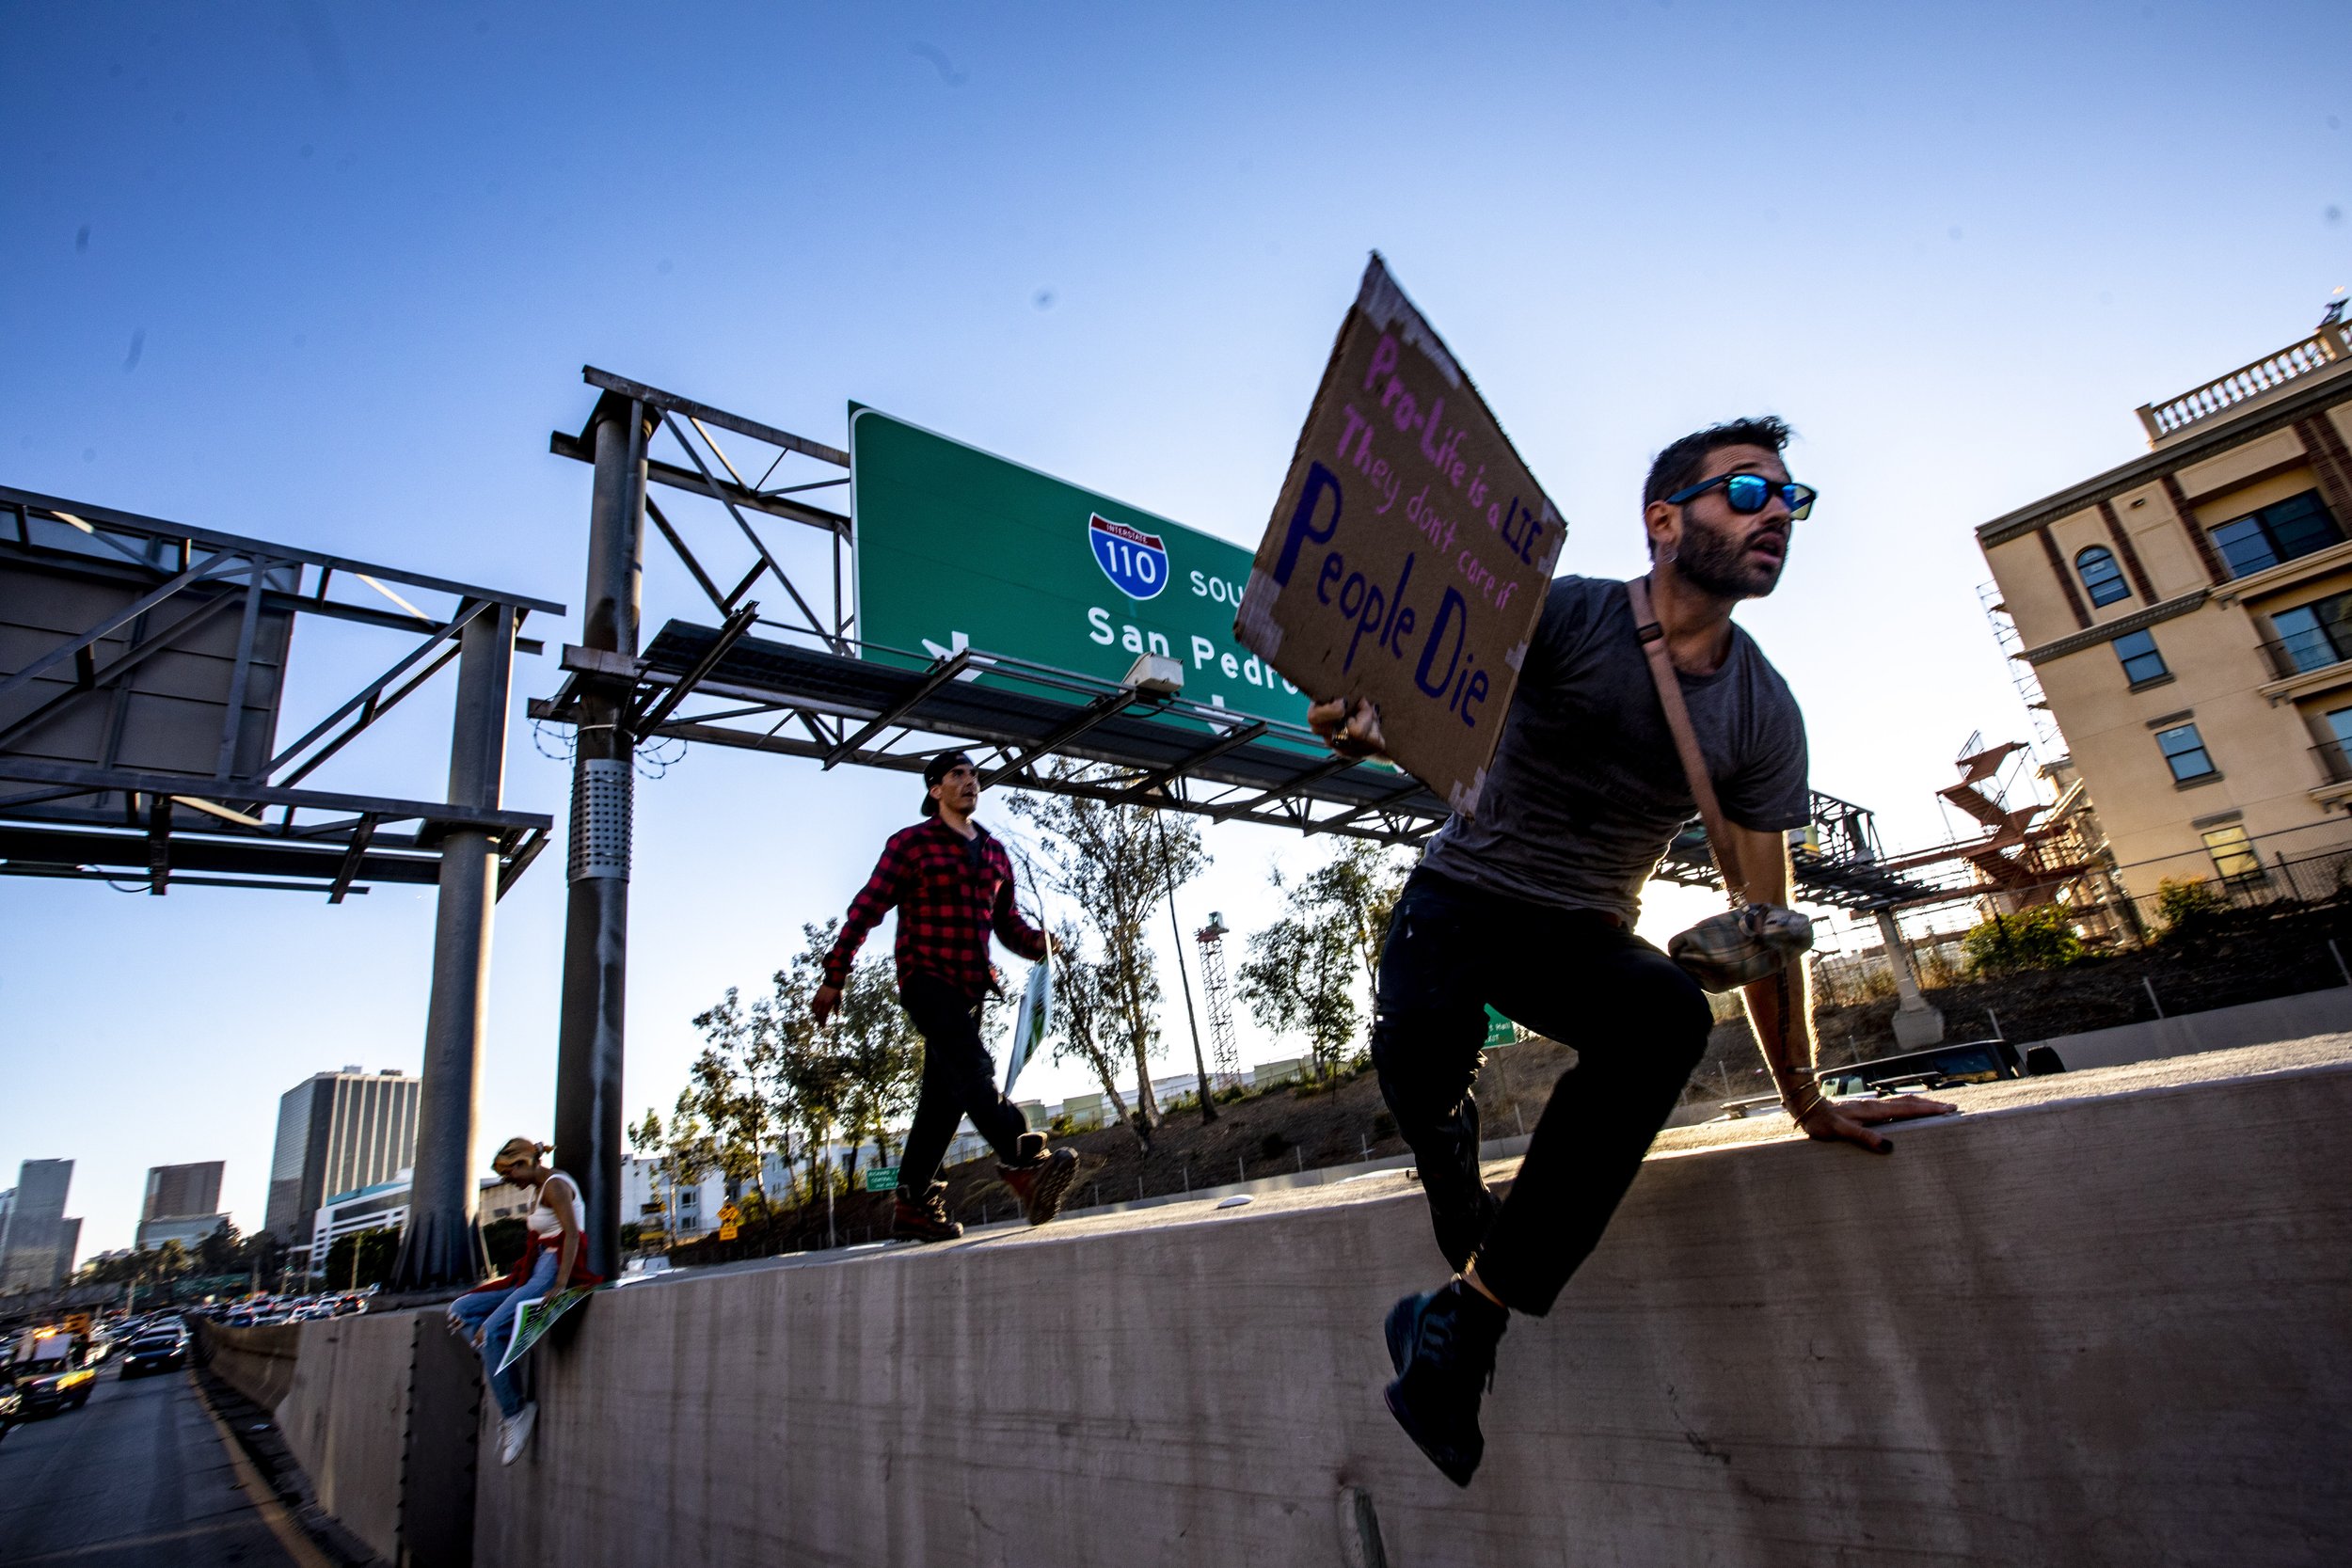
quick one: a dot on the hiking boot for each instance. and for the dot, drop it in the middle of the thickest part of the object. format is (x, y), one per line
(926, 1220)
(1442, 1344)
(1039, 1187)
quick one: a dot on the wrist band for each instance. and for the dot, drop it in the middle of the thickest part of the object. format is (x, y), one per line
(1799, 1108)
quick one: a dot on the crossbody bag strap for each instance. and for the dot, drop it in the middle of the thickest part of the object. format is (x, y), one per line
(1662, 670)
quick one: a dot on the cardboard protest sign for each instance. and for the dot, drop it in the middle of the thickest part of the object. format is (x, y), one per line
(1408, 557)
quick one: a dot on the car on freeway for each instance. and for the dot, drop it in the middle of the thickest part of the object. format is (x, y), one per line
(165, 1351)
(45, 1392)
(11, 1409)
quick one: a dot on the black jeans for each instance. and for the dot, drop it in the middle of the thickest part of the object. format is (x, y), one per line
(959, 1081)
(1638, 1023)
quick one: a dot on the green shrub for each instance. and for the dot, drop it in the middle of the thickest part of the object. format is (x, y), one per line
(2036, 938)
(2188, 904)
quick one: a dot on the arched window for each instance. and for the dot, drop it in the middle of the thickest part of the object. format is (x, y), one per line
(2102, 575)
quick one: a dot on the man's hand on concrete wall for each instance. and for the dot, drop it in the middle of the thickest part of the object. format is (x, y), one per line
(1853, 1120)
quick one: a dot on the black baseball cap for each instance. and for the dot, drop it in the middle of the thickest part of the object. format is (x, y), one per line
(938, 768)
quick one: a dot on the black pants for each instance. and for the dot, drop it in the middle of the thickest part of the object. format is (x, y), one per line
(1638, 1023)
(959, 1081)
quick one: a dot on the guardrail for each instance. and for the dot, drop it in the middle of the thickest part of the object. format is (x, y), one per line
(2221, 394)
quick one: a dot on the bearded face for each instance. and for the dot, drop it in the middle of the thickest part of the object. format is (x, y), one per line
(1729, 554)
(1740, 562)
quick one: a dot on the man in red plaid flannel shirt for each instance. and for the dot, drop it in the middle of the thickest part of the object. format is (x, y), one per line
(951, 883)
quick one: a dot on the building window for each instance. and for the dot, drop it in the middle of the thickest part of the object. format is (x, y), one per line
(2142, 663)
(2234, 858)
(2294, 526)
(2101, 575)
(2335, 752)
(2183, 749)
(2313, 636)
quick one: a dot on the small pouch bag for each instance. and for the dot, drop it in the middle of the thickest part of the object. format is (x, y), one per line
(1749, 941)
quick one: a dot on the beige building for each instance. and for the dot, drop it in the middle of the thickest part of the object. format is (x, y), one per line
(2189, 618)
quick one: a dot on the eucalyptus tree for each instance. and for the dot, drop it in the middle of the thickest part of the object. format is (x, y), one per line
(1116, 863)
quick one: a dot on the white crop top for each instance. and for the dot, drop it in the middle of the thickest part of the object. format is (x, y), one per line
(543, 1221)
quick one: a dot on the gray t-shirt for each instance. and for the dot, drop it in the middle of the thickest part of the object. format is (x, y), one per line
(1586, 791)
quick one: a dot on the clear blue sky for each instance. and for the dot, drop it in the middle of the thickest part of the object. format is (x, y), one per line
(326, 274)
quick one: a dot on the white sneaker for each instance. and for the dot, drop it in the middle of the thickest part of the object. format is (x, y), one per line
(514, 1433)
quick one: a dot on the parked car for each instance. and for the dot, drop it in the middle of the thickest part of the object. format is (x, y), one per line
(164, 1352)
(1965, 1062)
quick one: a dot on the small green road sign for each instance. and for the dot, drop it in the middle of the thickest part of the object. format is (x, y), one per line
(959, 549)
(1500, 1030)
(881, 1178)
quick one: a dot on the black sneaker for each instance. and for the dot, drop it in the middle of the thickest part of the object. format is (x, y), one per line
(1442, 1344)
(1039, 1187)
(925, 1219)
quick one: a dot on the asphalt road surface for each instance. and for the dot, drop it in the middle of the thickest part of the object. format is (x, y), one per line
(139, 1476)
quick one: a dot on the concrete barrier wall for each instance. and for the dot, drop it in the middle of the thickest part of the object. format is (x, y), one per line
(258, 1363)
(346, 1419)
(2097, 1331)
(380, 1413)
(2282, 1018)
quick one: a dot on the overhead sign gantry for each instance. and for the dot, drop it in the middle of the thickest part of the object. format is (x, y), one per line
(142, 690)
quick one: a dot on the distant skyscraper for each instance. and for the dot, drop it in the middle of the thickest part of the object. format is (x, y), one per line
(36, 1226)
(176, 1190)
(182, 1204)
(337, 1133)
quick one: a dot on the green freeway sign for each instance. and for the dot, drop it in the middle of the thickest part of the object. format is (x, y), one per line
(1500, 1030)
(881, 1178)
(960, 549)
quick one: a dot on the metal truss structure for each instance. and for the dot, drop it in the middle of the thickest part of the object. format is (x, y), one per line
(1835, 861)
(250, 819)
(115, 631)
(812, 691)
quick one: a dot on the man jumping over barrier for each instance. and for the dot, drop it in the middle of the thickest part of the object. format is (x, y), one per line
(951, 883)
(1529, 906)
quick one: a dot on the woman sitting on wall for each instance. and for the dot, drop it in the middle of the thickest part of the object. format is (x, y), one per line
(551, 1262)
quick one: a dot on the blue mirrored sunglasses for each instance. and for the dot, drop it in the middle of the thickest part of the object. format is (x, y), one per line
(1749, 494)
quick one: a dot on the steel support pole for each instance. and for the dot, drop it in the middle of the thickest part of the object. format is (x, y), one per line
(441, 1245)
(588, 1111)
(1916, 1025)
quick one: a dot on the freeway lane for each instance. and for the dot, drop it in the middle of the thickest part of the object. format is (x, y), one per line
(140, 1476)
